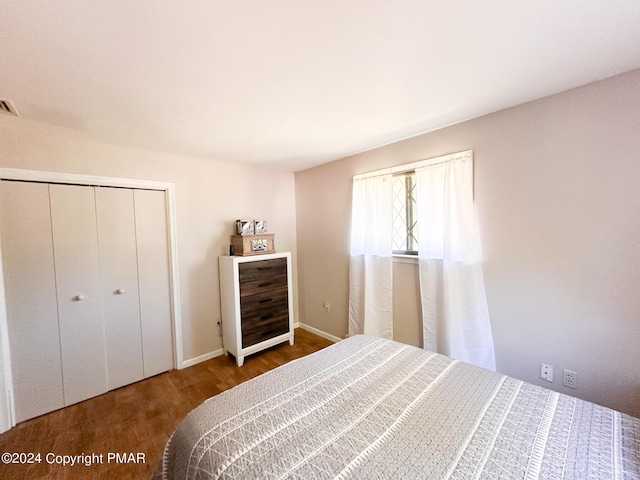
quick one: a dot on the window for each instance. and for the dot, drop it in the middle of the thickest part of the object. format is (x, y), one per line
(405, 219)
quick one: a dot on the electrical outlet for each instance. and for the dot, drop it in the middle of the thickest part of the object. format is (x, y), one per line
(569, 379)
(546, 372)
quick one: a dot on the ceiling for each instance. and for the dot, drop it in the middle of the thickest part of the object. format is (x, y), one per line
(289, 84)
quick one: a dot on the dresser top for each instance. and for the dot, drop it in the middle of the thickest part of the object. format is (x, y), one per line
(254, 258)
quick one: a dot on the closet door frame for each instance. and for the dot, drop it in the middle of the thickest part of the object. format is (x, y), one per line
(7, 410)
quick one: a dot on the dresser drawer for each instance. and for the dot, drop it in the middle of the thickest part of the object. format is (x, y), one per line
(258, 277)
(264, 302)
(264, 326)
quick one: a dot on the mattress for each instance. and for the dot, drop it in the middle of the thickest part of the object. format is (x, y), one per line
(377, 409)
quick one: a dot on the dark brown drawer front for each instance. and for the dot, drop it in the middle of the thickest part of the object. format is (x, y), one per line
(262, 276)
(264, 316)
(278, 326)
(263, 303)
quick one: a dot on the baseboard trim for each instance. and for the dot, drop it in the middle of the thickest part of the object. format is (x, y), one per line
(320, 333)
(216, 353)
(202, 358)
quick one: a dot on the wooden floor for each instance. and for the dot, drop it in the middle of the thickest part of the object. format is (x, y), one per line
(135, 419)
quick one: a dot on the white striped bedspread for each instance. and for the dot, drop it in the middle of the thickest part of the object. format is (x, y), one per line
(369, 408)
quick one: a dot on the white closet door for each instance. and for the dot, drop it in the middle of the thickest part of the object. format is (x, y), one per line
(80, 308)
(30, 293)
(153, 274)
(119, 278)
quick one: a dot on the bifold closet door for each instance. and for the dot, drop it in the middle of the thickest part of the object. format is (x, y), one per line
(119, 279)
(30, 293)
(153, 273)
(87, 285)
(79, 293)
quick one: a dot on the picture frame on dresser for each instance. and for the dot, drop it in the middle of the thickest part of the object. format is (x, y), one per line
(257, 303)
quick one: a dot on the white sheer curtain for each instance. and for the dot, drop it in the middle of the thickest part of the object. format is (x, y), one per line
(371, 268)
(454, 307)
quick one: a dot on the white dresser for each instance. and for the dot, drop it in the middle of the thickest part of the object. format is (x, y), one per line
(257, 303)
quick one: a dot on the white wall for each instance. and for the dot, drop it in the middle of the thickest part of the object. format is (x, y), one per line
(210, 195)
(557, 190)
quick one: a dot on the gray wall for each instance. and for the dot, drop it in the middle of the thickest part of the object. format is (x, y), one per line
(557, 190)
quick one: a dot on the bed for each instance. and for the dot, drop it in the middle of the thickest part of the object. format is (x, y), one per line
(377, 409)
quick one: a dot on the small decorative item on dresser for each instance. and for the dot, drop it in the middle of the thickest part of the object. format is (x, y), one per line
(259, 244)
(260, 226)
(245, 227)
(253, 244)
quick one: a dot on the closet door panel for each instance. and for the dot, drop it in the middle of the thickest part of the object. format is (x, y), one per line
(79, 293)
(119, 278)
(30, 293)
(153, 274)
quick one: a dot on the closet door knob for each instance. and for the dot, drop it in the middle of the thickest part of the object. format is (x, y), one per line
(120, 291)
(78, 298)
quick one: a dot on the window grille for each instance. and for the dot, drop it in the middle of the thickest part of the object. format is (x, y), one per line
(405, 226)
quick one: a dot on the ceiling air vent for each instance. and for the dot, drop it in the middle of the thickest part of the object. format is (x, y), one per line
(7, 107)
